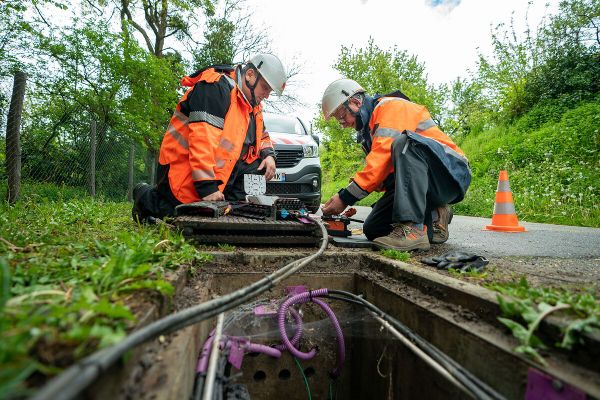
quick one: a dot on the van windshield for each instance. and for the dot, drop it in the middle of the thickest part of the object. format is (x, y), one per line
(282, 124)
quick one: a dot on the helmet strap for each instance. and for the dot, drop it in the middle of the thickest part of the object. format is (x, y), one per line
(353, 113)
(252, 87)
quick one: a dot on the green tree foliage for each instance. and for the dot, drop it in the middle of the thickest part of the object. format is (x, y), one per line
(165, 19)
(220, 44)
(571, 56)
(125, 95)
(469, 109)
(383, 71)
(562, 59)
(378, 71)
(11, 41)
(230, 36)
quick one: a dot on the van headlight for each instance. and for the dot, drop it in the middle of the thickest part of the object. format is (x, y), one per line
(310, 150)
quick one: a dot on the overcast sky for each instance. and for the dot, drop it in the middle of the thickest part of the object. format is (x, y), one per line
(444, 34)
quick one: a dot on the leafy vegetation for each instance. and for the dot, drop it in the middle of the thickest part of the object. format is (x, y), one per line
(525, 307)
(73, 274)
(551, 154)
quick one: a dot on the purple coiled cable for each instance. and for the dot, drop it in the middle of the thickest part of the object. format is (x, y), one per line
(304, 298)
(299, 329)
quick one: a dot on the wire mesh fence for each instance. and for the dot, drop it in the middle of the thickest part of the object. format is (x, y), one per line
(81, 158)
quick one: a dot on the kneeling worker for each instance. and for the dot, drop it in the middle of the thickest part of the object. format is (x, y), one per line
(215, 136)
(419, 167)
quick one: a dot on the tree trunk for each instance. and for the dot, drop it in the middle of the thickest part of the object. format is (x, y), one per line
(13, 141)
(92, 169)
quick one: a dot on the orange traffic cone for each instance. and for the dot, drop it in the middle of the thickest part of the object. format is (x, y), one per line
(505, 217)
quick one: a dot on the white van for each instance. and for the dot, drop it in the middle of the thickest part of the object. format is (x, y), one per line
(298, 171)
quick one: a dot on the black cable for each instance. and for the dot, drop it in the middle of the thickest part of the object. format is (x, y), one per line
(480, 389)
(198, 386)
(347, 300)
(220, 378)
(456, 371)
(71, 382)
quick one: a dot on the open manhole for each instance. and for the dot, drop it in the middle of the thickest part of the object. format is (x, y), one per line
(445, 312)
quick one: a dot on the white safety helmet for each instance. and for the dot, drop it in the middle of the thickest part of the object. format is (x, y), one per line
(271, 69)
(337, 93)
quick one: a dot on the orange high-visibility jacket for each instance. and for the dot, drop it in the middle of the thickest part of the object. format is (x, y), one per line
(206, 134)
(390, 118)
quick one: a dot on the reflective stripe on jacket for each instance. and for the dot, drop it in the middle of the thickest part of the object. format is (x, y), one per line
(390, 118)
(201, 147)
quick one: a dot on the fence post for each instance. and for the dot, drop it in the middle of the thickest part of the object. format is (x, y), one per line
(13, 140)
(92, 171)
(151, 165)
(130, 172)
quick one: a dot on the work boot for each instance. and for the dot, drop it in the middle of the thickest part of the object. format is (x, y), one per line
(136, 212)
(404, 237)
(440, 225)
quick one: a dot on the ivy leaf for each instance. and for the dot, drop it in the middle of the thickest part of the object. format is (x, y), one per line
(531, 352)
(518, 330)
(574, 330)
(509, 308)
(107, 335)
(530, 313)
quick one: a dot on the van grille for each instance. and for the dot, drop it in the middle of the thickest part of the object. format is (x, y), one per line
(288, 188)
(288, 158)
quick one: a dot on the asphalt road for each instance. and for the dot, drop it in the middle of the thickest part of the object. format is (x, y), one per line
(540, 240)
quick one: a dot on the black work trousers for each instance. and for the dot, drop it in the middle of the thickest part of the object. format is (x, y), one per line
(160, 202)
(421, 184)
(234, 190)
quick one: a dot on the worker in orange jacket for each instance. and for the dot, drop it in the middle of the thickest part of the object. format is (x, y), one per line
(419, 167)
(215, 136)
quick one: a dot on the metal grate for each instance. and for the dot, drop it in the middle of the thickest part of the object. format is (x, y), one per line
(288, 158)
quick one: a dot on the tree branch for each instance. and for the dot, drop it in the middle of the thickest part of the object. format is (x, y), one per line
(150, 17)
(140, 30)
(172, 33)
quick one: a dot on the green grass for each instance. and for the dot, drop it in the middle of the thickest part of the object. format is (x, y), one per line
(71, 271)
(395, 254)
(40, 191)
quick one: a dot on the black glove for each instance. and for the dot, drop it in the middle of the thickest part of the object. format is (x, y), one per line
(458, 260)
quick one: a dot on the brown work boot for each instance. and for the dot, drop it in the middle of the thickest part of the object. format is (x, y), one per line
(440, 226)
(404, 237)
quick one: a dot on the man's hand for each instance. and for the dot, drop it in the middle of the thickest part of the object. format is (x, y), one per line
(269, 163)
(216, 196)
(334, 206)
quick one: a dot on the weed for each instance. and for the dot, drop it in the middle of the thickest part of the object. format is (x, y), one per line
(226, 247)
(395, 254)
(469, 273)
(524, 307)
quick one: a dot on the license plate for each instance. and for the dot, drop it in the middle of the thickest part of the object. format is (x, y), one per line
(279, 177)
(255, 184)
